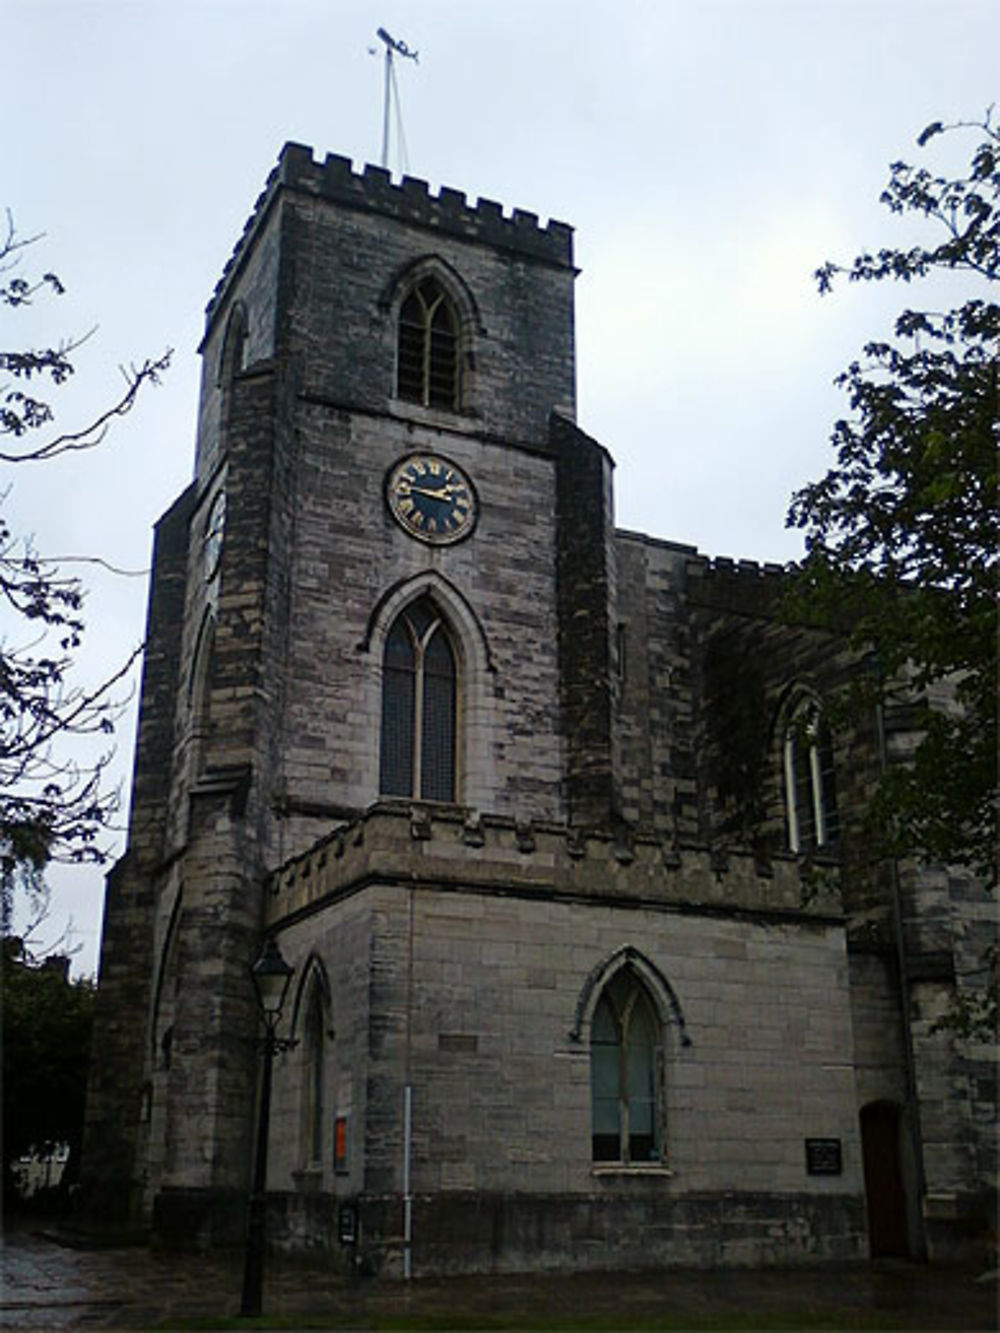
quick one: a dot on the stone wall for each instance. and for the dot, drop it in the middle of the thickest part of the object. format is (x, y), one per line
(112, 1174)
(497, 589)
(656, 714)
(482, 955)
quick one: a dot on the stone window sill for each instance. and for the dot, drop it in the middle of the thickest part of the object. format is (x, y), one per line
(624, 1169)
(460, 420)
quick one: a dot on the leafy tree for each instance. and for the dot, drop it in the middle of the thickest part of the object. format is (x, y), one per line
(902, 534)
(46, 1040)
(50, 805)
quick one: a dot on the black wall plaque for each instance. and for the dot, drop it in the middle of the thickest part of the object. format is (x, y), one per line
(824, 1157)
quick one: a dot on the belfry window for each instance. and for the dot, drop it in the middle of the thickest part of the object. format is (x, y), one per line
(419, 694)
(810, 785)
(427, 365)
(625, 1062)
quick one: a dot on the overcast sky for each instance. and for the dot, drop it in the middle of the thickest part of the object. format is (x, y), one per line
(710, 156)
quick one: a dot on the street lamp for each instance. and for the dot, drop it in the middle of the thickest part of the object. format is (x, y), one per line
(271, 977)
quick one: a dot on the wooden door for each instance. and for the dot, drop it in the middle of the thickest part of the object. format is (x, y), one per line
(884, 1189)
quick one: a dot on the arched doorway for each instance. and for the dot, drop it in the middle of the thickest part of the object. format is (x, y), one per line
(885, 1191)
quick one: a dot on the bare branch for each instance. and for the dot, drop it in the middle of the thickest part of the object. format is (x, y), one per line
(99, 560)
(92, 435)
(52, 806)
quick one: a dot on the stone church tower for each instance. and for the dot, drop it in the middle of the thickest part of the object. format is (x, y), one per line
(526, 801)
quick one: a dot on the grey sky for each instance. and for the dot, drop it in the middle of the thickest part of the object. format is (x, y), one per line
(710, 156)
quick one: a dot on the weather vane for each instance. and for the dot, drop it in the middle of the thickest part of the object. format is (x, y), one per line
(392, 47)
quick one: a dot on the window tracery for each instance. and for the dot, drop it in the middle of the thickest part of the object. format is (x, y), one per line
(810, 780)
(625, 1065)
(419, 706)
(427, 361)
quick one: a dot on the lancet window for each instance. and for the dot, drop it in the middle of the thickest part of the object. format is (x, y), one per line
(427, 362)
(625, 1063)
(810, 781)
(419, 706)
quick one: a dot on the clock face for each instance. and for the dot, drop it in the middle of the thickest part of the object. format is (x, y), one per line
(211, 547)
(431, 498)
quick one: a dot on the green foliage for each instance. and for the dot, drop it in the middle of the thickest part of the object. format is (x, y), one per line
(46, 1041)
(902, 534)
(737, 736)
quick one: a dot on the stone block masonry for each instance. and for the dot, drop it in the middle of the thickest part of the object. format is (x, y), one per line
(618, 991)
(484, 954)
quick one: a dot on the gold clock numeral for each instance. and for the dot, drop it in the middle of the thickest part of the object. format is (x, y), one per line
(431, 498)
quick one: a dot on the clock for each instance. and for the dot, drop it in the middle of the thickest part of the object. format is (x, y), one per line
(431, 499)
(211, 542)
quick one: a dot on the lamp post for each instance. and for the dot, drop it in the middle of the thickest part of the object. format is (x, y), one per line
(271, 977)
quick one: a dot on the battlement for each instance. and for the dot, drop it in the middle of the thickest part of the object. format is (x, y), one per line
(411, 201)
(396, 843)
(741, 587)
(722, 565)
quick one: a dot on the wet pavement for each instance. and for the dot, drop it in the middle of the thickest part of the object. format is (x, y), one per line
(49, 1286)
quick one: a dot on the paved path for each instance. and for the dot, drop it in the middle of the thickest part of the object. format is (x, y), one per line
(47, 1286)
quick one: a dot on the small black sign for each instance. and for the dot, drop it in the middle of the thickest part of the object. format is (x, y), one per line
(824, 1157)
(347, 1224)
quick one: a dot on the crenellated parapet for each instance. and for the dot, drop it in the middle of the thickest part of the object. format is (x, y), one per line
(411, 202)
(724, 566)
(403, 844)
(743, 586)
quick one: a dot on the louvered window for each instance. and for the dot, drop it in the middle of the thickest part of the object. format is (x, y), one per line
(624, 1072)
(419, 707)
(427, 369)
(810, 782)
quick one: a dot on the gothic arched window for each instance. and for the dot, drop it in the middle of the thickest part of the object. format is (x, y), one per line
(810, 785)
(419, 705)
(199, 694)
(313, 1074)
(427, 363)
(625, 1063)
(232, 358)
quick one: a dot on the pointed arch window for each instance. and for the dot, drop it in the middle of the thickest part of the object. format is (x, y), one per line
(626, 1074)
(199, 693)
(314, 1077)
(232, 358)
(419, 704)
(810, 780)
(427, 361)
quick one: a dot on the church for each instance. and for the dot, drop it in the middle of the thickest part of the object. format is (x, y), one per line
(594, 962)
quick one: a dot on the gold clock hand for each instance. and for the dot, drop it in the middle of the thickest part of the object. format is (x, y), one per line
(444, 493)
